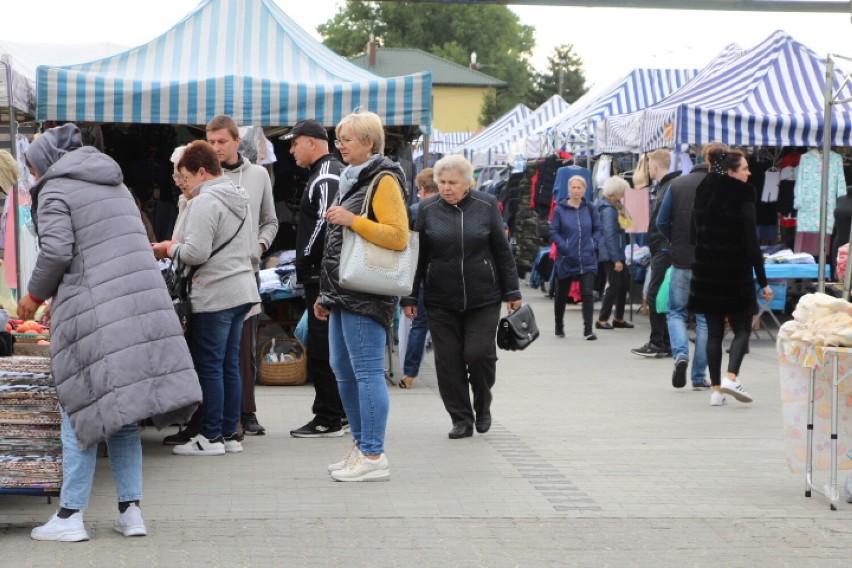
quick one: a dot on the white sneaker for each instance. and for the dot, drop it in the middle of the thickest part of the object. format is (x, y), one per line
(350, 456)
(130, 523)
(364, 469)
(717, 399)
(62, 530)
(234, 443)
(201, 446)
(736, 390)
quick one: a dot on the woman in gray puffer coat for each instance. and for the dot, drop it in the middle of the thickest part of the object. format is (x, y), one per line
(117, 348)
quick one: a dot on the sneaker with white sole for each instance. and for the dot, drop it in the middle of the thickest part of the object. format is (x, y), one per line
(701, 386)
(313, 429)
(234, 443)
(130, 523)
(364, 469)
(201, 446)
(736, 390)
(62, 530)
(350, 457)
(717, 399)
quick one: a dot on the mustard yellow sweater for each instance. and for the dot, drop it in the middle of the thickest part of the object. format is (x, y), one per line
(390, 231)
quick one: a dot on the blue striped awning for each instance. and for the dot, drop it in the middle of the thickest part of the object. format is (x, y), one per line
(623, 132)
(244, 58)
(503, 143)
(638, 89)
(773, 95)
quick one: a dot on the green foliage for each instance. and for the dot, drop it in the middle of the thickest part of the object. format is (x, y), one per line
(452, 31)
(569, 65)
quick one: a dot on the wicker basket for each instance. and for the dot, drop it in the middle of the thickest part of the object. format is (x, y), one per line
(286, 372)
(27, 344)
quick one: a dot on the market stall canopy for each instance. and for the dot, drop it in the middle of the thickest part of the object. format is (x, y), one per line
(772, 95)
(502, 140)
(623, 132)
(244, 58)
(441, 142)
(17, 83)
(636, 90)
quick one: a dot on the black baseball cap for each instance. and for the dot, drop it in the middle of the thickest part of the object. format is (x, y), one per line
(308, 127)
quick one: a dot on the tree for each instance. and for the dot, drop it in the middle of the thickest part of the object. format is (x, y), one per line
(452, 31)
(564, 76)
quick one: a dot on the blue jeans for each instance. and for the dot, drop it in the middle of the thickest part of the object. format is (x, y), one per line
(78, 466)
(677, 319)
(215, 346)
(357, 355)
(416, 340)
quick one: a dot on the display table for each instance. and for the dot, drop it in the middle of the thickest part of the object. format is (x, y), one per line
(30, 428)
(777, 276)
(816, 398)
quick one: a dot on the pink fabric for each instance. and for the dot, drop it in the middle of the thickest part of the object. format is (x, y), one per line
(638, 204)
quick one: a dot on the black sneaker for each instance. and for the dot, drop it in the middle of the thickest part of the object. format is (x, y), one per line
(314, 430)
(182, 437)
(679, 373)
(648, 350)
(251, 425)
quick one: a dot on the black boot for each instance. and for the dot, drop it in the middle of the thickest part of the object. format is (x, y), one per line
(560, 331)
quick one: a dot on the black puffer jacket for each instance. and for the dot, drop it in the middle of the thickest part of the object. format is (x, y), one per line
(465, 259)
(380, 308)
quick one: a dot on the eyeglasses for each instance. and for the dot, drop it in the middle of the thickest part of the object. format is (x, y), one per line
(340, 142)
(180, 178)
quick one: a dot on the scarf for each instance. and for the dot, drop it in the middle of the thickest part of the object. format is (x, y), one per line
(625, 221)
(349, 175)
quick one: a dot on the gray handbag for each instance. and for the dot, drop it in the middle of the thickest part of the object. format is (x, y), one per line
(366, 267)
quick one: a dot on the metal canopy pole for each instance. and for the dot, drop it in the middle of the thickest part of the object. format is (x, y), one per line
(826, 155)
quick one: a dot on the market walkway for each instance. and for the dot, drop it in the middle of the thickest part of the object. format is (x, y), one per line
(593, 460)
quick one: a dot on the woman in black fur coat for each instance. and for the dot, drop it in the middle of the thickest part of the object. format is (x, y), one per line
(726, 253)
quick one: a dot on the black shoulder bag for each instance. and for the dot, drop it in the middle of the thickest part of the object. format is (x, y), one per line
(180, 287)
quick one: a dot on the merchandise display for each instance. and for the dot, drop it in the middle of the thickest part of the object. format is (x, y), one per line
(30, 427)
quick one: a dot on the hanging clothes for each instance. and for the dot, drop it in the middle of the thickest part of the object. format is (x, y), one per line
(563, 174)
(638, 204)
(602, 171)
(809, 187)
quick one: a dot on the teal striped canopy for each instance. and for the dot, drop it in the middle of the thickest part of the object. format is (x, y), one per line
(244, 58)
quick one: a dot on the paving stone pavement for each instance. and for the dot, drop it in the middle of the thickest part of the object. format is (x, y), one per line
(593, 460)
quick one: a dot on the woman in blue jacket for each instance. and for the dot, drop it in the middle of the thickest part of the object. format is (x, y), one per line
(614, 219)
(575, 230)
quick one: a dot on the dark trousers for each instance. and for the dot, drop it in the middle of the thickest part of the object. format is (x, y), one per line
(327, 406)
(660, 263)
(741, 325)
(465, 358)
(616, 291)
(248, 363)
(587, 288)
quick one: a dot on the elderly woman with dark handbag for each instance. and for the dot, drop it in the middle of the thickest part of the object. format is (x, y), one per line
(467, 270)
(358, 321)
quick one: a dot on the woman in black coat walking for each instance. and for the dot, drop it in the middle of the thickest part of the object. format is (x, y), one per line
(727, 257)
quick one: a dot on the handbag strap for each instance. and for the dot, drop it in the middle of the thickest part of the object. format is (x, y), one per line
(186, 289)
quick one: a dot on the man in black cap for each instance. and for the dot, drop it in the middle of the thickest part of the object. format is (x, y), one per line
(309, 146)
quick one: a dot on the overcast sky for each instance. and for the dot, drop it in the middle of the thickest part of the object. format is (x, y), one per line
(611, 41)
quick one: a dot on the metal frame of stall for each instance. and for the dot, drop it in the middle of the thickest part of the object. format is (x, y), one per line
(831, 492)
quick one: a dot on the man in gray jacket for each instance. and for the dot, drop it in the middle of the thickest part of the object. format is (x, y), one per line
(117, 348)
(224, 135)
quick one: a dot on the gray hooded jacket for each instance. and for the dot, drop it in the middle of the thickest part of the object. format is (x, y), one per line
(118, 351)
(225, 280)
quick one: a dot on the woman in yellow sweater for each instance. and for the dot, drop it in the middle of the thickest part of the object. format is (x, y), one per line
(359, 322)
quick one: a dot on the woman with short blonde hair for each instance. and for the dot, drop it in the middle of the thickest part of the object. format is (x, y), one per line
(365, 126)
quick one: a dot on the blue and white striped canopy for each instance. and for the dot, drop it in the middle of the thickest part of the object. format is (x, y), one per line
(771, 95)
(636, 90)
(623, 132)
(506, 123)
(244, 58)
(501, 142)
(441, 142)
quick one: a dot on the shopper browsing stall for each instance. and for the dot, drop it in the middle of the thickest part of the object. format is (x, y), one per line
(118, 354)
